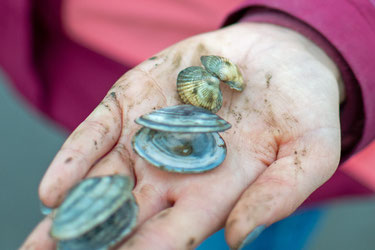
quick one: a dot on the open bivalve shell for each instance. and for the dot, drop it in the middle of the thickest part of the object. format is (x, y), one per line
(183, 118)
(96, 214)
(181, 139)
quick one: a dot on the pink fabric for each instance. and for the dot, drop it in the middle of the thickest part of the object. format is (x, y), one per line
(16, 48)
(51, 71)
(361, 166)
(132, 31)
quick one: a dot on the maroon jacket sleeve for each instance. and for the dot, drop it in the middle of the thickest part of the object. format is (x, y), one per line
(15, 47)
(43, 64)
(346, 31)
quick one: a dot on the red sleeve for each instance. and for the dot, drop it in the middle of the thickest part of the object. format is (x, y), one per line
(346, 31)
(16, 58)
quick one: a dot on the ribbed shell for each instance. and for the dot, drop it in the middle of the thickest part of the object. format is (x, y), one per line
(199, 88)
(180, 152)
(225, 70)
(183, 118)
(96, 214)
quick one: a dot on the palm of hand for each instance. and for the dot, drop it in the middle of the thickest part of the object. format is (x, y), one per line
(284, 141)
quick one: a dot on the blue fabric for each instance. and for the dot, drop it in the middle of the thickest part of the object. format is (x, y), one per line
(292, 233)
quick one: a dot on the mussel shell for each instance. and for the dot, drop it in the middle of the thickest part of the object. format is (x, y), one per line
(180, 152)
(96, 214)
(183, 118)
(199, 88)
(225, 70)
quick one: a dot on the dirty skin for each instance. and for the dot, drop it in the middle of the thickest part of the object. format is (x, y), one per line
(68, 160)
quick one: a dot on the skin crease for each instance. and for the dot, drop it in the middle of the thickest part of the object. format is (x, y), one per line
(284, 141)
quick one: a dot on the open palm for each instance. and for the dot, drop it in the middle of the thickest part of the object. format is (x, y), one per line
(284, 141)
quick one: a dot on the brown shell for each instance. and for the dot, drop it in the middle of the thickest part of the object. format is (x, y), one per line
(199, 88)
(225, 70)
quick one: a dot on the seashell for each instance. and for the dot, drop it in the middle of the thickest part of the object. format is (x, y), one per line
(225, 70)
(180, 152)
(201, 87)
(198, 87)
(96, 214)
(181, 139)
(183, 118)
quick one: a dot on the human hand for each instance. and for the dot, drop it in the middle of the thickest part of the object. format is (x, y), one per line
(284, 141)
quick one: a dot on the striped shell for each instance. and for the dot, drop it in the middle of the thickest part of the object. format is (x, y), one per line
(199, 88)
(225, 70)
(181, 139)
(183, 118)
(96, 214)
(180, 152)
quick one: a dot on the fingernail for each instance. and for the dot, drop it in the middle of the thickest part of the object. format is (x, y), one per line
(252, 236)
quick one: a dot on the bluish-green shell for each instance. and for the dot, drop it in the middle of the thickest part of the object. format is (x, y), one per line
(180, 152)
(96, 214)
(183, 118)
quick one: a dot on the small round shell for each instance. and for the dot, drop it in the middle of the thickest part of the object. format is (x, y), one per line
(180, 152)
(96, 214)
(199, 88)
(183, 118)
(225, 70)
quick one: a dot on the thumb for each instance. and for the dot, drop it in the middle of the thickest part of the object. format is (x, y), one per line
(301, 167)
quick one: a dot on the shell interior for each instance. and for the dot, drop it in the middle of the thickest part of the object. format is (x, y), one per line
(183, 118)
(96, 213)
(180, 152)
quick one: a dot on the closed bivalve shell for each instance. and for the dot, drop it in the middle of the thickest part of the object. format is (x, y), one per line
(96, 214)
(197, 87)
(225, 70)
(183, 118)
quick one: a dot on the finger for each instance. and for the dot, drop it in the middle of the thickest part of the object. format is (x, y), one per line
(183, 226)
(301, 167)
(118, 161)
(200, 212)
(92, 139)
(151, 199)
(39, 239)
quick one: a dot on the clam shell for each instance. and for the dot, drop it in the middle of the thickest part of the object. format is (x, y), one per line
(96, 214)
(225, 70)
(199, 88)
(183, 118)
(180, 152)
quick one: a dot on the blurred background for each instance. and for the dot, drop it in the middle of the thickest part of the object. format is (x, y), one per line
(29, 142)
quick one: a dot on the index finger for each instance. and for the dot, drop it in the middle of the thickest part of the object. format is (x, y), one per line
(39, 238)
(92, 139)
